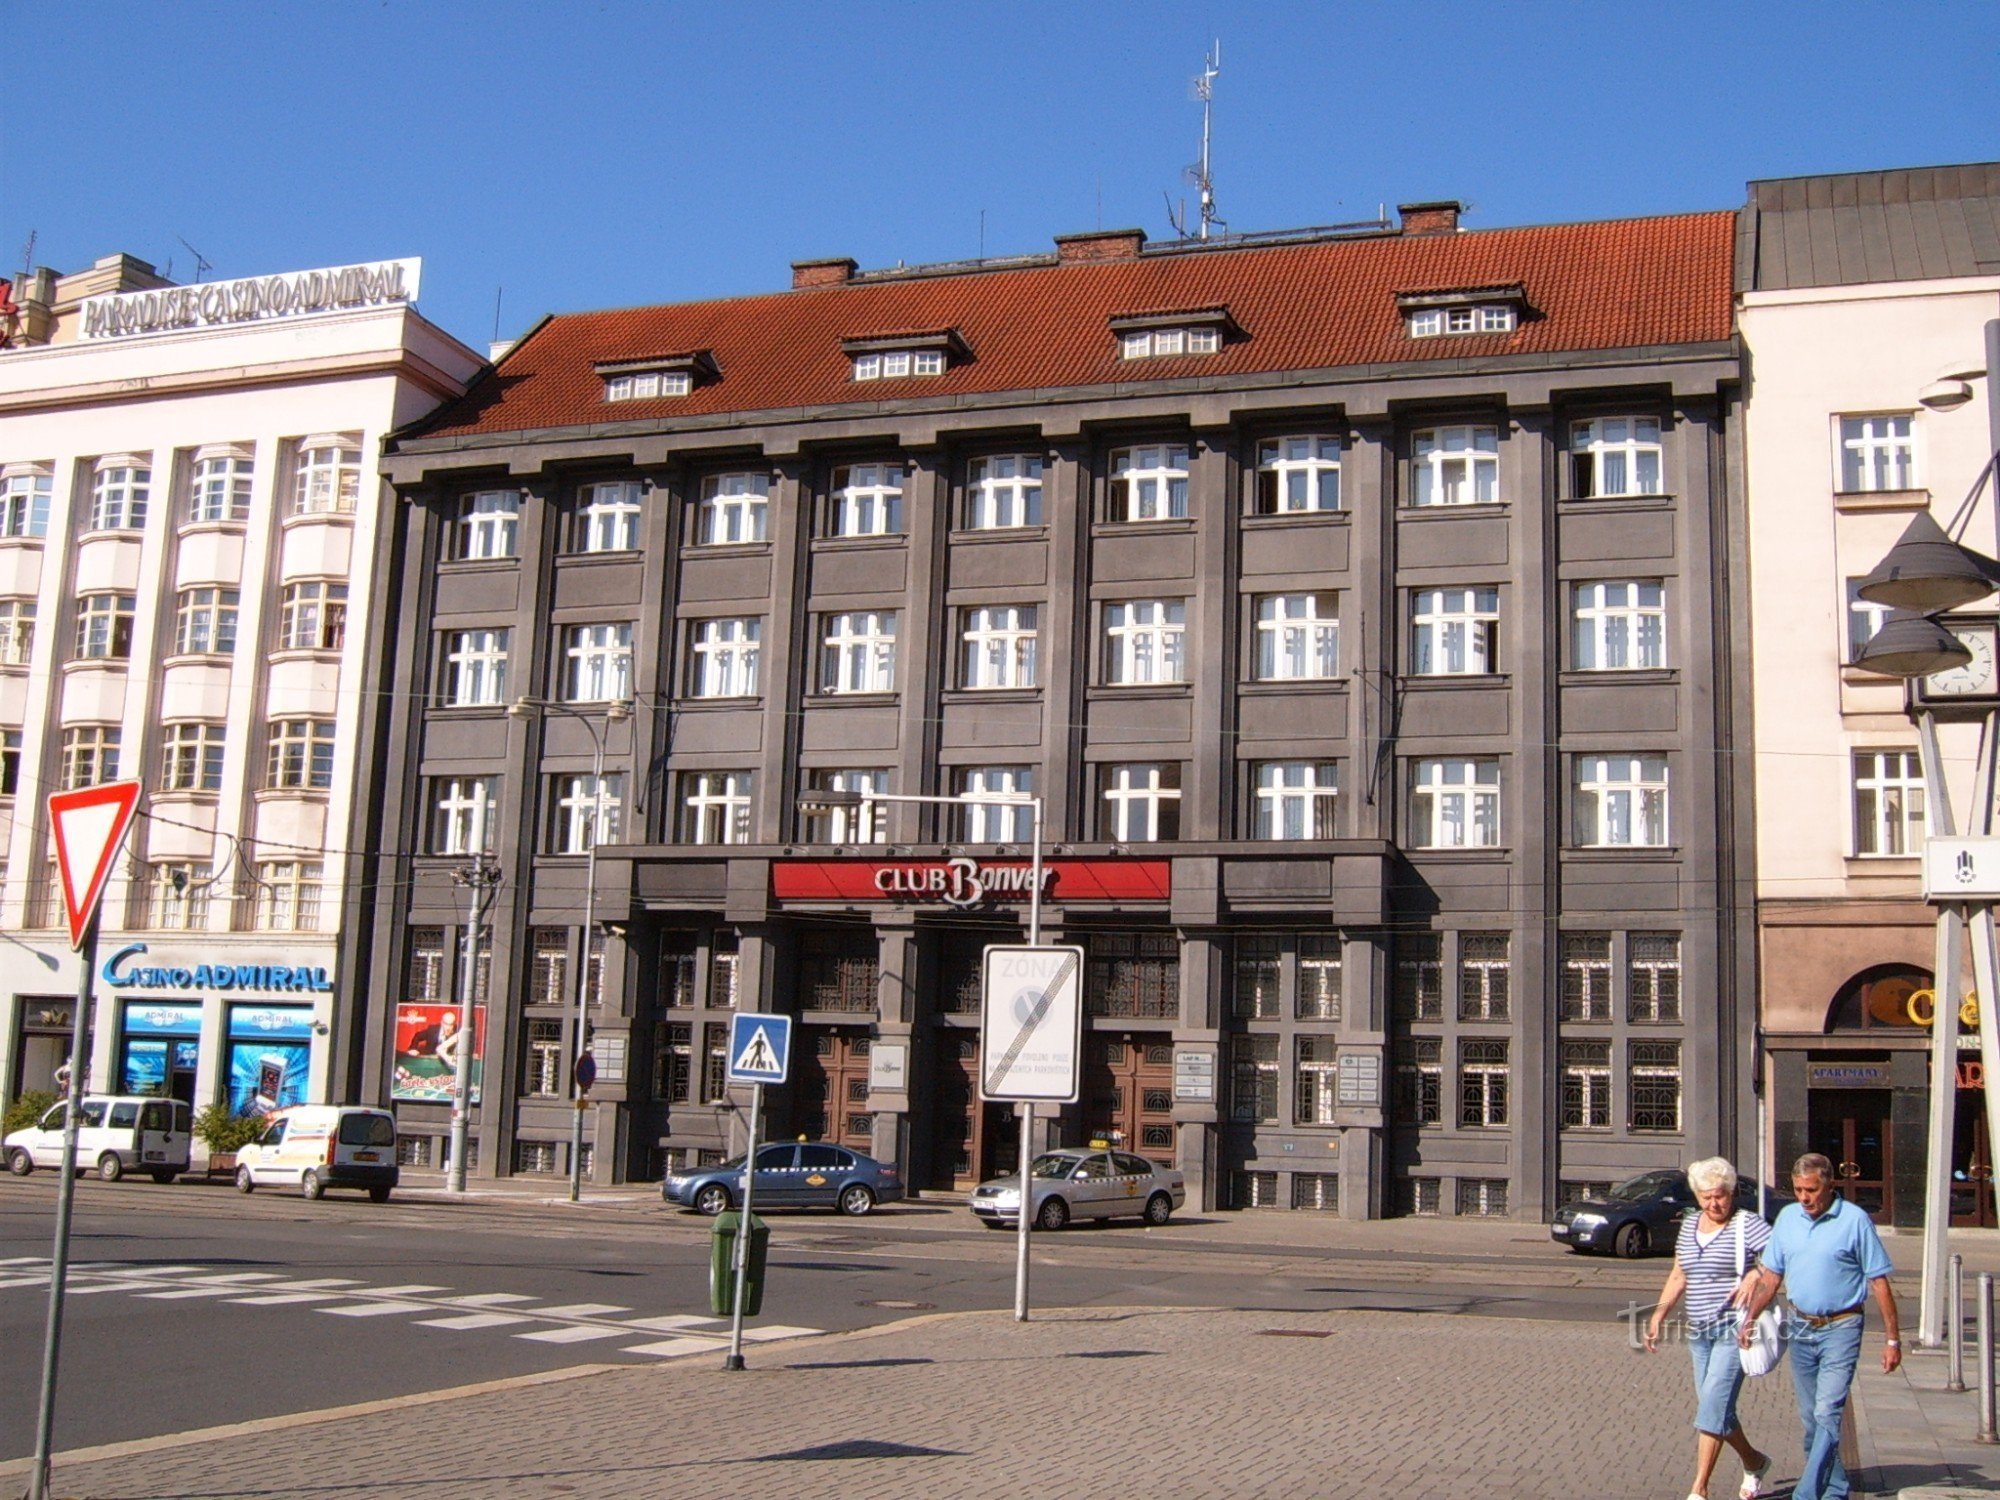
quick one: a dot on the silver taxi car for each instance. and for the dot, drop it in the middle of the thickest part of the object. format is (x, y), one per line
(1083, 1182)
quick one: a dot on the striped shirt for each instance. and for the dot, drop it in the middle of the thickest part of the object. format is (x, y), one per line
(1713, 1270)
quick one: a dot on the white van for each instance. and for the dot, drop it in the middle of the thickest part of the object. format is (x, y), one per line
(319, 1146)
(120, 1133)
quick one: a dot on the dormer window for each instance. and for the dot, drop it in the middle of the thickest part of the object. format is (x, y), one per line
(1468, 310)
(898, 364)
(655, 378)
(1160, 335)
(905, 356)
(644, 387)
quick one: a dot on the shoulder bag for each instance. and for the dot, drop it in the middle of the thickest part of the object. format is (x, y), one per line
(1767, 1340)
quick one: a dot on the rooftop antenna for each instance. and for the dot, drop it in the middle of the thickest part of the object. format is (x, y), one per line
(1199, 174)
(201, 262)
(28, 256)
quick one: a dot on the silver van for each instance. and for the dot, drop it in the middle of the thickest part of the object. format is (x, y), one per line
(120, 1133)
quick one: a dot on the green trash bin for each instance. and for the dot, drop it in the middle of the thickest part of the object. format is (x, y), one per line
(722, 1265)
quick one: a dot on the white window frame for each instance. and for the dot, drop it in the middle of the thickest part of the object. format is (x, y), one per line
(716, 806)
(1298, 474)
(326, 477)
(587, 811)
(1621, 802)
(1315, 1086)
(647, 385)
(1619, 625)
(867, 500)
(597, 663)
(90, 754)
(219, 486)
(1457, 465)
(1485, 1068)
(1150, 482)
(205, 619)
(898, 364)
(997, 822)
(1864, 618)
(1585, 1085)
(312, 615)
(1165, 343)
(1145, 642)
(489, 526)
(998, 646)
(191, 756)
(858, 652)
(178, 895)
(104, 626)
(17, 630)
(458, 805)
(726, 657)
(1875, 453)
(1298, 637)
(1296, 799)
(866, 824)
(607, 516)
(299, 755)
(1455, 632)
(1455, 803)
(120, 489)
(1612, 457)
(1004, 491)
(734, 509)
(475, 668)
(1142, 802)
(1888, 802)
(289, 896)
(25, 497)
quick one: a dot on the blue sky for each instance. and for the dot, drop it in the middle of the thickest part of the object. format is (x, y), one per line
(598, 153)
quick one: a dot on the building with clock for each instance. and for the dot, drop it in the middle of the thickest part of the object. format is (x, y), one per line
(1363, 606)
(1857, 292)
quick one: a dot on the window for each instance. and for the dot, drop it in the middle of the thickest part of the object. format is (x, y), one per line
(1615, 456)
(1455, 804)
(1433, 322)
(89, 755)
(1586, 976)
(424, 976)
(118, 495)
(1418, 1080)
(191, 758)
(607, 518)
(898, 364)
(1876, 454)
(1456, 466)
(1298, 474)
(475, 669)
(717, 807)
(1142, 803)
(847, 825)
(1149, 484)
(1314, 1090)
(1454, 632)
(288, 896)
(17, 631)
(548, 978)
(647, 385)
(10, 762)
(534, 1156)
(597, 663)
(541, 1069)
(312, 616)
(1156, 343)
(205, 622)
(1419, 978)
(219, 488)
(1253, 1091)
(867, 500)
(1621, 801)
(177, 896)
(300, 755)
(24, 502)
(999, 647)
(724, 969)
(1319, 1191)
(1319, 979)
(104, 626)
(489, 525)
(997, 823)
(1482, 976)
(1864, 618)
(732, 509)
(1586, 1085)
(673, 1061)
(1298, 637)
(1482, 1084)
(1296, 799)
(1656, 1085)
(1619, 627)
(1888, 803)
(715, 1064)
(726, 658)
(1482, 1197)
(327, 481)
(594, 950)
(1144, 641)
(465, 813)
(858, 653)
(586, 811)
(1653, 977)
(1004, 490)
(1259, 977)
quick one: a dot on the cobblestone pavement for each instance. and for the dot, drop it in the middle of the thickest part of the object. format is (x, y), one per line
(1161, 1404)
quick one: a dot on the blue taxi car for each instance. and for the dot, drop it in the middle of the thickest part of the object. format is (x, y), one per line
(795, 1174)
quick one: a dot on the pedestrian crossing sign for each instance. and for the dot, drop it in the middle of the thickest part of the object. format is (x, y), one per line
(760, 1048)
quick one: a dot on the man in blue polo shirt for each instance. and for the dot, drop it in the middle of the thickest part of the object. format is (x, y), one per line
(1827, 1254)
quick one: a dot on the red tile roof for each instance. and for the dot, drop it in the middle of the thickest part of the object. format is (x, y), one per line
(1615, 284)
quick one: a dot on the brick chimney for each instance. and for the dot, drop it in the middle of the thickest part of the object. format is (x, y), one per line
(1431, 218)
(836, 271)
(1100, 244)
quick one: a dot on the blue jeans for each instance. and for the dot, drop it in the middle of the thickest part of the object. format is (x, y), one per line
(1823, 1361)
(1718, 1375)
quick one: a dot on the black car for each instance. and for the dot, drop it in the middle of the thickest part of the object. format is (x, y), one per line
(1639, 1216)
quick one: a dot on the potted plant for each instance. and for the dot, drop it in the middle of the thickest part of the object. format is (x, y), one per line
(225, 1134)
(25, 1109)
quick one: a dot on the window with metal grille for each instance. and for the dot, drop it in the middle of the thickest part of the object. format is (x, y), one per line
(1254, 1190)
(673, 1061)
(1419, 1080)
(1418, 991)
(1316, 1190)
(1482, 976)
(1653, 977)
(1586, 976)
(413, 1150)
(1254, 1080)
(1655, 1085)
(535, 1156)
(1319, 979)
(1134, 974)
(548, 973)
(423, 978)
(677, 973)
(541, 1068)
(722, 971)
(480, 959)
(1417, 1197)
(714, 1064)
(838, 971)
(961, 974)
(594, 950)
(1482, 1084)
(1259, 966)
(1314, 1084)
(1482, 1197)
(1586, 1085)
(1570, 1188)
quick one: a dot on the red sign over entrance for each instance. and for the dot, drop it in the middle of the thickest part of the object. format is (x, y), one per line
(970, 882)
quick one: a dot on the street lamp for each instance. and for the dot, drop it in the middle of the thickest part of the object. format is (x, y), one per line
(863, 800)
(618, 709)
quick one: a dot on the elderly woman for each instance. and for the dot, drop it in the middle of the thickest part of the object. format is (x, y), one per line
(1715, 1266)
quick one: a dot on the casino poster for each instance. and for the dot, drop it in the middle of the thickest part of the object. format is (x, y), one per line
(270, 1053)
(427, 1043)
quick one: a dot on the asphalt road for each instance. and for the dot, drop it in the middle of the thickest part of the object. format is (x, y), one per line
(194, 1307)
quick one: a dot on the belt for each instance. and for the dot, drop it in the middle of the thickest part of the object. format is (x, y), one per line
(1812, 1320)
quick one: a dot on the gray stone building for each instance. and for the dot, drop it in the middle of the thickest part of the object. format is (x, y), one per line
(1364, 606)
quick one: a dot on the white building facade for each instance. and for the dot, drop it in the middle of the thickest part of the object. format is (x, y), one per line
(188, 506)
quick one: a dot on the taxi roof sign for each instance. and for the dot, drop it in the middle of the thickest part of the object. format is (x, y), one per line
(89, 825)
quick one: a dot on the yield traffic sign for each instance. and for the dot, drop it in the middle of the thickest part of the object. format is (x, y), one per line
(760, 1048)
(90, 825)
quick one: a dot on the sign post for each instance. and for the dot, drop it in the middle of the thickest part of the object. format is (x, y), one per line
(88, 827)
(1030, 1048)
(760, 1052)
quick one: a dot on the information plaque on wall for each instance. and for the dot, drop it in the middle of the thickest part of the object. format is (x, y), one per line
(1360, 1080)
(1194, 1077)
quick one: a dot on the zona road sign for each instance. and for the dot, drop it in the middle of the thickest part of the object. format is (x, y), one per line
(89, 825)
(760, 1047)
(1031, 1027)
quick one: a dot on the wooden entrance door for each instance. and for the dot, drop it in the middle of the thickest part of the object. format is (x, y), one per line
(1128, 1092)
(955, 1143)
(833, 1087)
(1850, 1127)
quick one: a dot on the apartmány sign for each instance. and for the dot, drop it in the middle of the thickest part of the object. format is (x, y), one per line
(254, 299)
